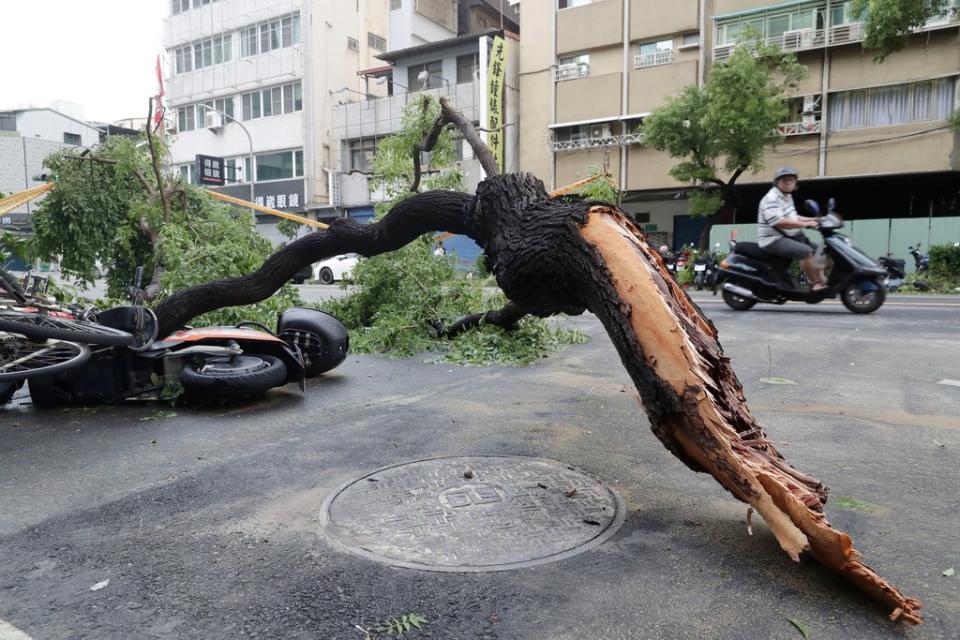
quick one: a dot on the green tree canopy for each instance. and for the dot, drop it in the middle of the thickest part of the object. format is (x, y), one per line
(106, 211)
(889, 23)
(722, 129)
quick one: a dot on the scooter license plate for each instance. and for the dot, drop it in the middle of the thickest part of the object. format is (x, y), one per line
(699, 267)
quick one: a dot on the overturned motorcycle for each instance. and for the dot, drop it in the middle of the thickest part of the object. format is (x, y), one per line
(208, 363)
(749, 274)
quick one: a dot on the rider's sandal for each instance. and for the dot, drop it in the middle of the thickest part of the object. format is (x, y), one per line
(819, 287)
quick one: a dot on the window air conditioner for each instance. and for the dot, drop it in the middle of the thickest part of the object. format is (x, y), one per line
(599, 131)
(798, 38)
(213, 120)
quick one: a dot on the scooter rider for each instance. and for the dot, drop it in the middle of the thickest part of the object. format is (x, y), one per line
(779, 226)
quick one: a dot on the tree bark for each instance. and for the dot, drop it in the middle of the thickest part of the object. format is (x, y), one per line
(550, 257)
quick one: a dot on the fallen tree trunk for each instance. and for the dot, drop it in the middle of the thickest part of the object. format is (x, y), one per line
(553, 257)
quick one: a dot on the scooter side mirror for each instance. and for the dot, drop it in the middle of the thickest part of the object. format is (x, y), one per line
(812, 207)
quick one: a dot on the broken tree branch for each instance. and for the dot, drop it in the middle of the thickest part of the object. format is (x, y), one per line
(506, 318)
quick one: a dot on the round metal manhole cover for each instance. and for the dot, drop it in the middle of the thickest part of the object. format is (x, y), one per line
(476, 513)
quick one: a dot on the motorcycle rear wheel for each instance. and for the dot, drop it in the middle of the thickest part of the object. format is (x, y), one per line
(859, 301)
(737, 303)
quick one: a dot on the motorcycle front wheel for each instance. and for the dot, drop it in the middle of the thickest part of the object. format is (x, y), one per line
(737, 303)
(859, 301)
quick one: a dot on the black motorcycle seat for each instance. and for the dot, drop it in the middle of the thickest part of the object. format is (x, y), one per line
(752, 250)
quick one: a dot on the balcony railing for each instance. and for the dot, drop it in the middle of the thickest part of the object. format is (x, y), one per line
(802, 39)
(641, 60)
(571, 71)
(597, 143)
(799, 128)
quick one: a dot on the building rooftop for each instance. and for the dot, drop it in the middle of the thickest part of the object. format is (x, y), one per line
(393, 56)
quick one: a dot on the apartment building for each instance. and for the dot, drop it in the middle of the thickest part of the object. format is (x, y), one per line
(429, 57)
(874, 135)
(254, 82)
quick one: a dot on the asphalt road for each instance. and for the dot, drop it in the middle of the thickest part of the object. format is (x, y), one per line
(205, 522)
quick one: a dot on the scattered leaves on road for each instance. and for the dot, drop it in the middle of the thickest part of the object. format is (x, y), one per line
(948, 572)
(100, 585)
(852, 504)
(158, 415)
(802, 628)
(777, 380)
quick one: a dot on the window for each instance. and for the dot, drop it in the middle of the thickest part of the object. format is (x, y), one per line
(467, 67)
(8, 122)
(224, 105)
(771, 25)
(583, 58)
(269, 35)
(841, 14)
(573, 67)
(230, 171)
(891, 105)
(361, 154)
(183, 60)
(179, 6)
(690, 40)
(222, 48)
(568, 4)
(186, 118)
(353, 44)
(396, 4)
(199, 3)
(272, 102)
(188, 173)
(279, 166)
(203, 54)
(376, 42)
(71, 138)
(572, 134)
(425, 76)
(654, 53)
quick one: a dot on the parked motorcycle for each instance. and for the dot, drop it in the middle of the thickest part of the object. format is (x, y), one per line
(231, 363)
(705, 268)
(921, 262)
(749, 274)
(896, 269)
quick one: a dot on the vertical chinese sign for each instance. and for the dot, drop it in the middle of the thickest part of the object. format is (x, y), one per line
(496, 73)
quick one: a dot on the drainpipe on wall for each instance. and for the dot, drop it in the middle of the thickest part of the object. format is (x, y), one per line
(553, 100)
(702, 25)
(482, 117)
(625, 93)
(824, 89)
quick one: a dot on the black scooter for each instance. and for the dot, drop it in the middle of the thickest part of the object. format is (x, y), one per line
(749, 274)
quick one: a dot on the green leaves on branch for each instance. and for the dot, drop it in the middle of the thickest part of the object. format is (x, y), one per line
(889, 23)
(101, 214)
(722, 129)
(398, 297)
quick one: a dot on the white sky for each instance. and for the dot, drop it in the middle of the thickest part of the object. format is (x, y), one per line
(98, 53)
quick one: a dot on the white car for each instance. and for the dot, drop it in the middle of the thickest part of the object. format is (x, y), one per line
(336, 268)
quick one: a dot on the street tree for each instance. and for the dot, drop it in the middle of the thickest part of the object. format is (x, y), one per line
(550, 256)
(722, 129)
(889, 23)
(114, 207)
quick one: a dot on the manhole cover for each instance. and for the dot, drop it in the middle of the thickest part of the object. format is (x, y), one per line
(477, 513)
